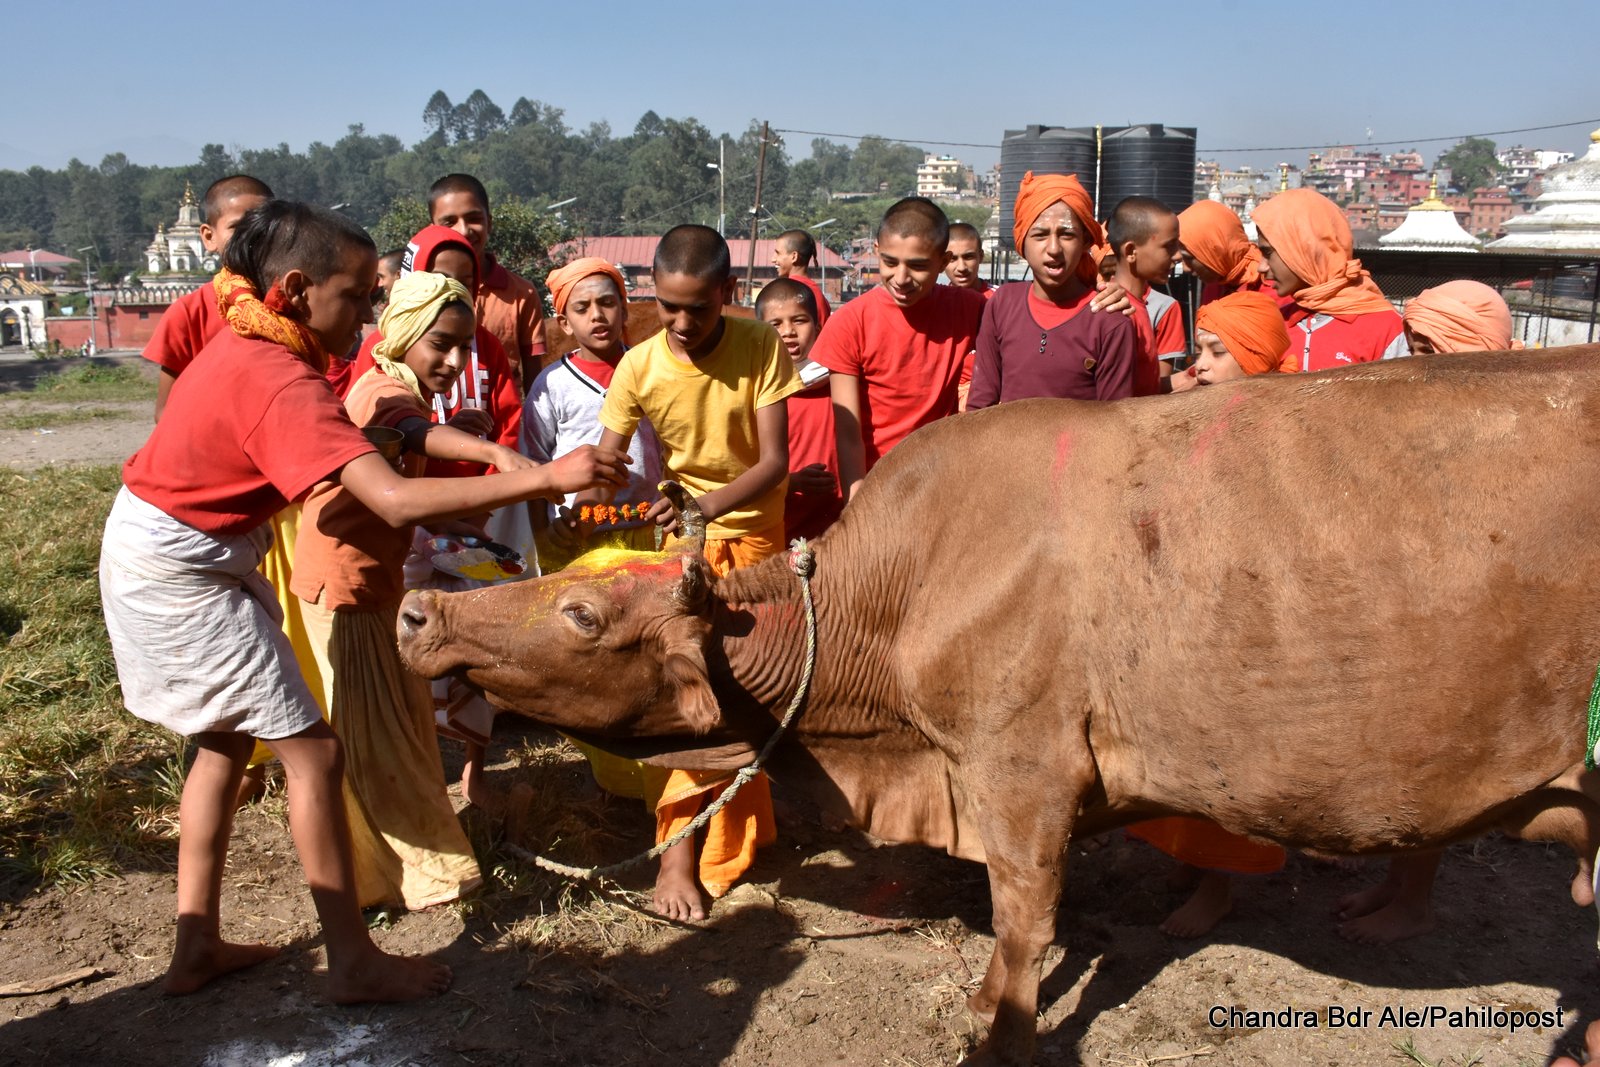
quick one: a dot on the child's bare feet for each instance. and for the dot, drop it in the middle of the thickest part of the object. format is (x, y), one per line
(1382, 915)
(1211, 901)
(474, 785)
(198, 959)
(1591, 1048)
(379, 977)
(1397, 908)
(677, 893)
(1583, 884)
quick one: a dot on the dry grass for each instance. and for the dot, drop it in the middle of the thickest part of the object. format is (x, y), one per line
(75, 768)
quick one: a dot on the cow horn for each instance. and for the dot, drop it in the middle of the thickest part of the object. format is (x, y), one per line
(691, 523)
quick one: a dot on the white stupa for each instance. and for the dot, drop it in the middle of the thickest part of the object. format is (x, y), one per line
(1430, 226)
(1566, 215)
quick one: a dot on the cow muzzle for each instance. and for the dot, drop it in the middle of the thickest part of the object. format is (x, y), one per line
(419, 629)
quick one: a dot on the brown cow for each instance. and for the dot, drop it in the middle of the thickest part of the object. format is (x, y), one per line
(1356, 612)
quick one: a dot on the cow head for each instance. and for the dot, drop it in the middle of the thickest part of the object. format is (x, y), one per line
(611, 650)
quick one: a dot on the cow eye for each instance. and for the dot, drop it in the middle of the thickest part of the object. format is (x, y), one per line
(582, 617)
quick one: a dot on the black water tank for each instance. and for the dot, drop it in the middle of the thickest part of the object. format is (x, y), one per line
(1045, 150)
(1149, 160)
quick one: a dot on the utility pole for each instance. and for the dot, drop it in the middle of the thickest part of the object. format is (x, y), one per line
(755, 217)
(88, 291)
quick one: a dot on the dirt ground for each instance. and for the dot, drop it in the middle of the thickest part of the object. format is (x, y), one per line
(104, 438)
(838, 950)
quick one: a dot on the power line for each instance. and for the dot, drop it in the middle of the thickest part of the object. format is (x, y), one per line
(1221, 151)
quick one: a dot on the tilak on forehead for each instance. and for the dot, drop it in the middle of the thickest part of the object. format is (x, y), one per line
(1035, 196)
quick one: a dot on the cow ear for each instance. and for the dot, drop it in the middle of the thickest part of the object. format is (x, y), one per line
(692, 589)
(685, 670)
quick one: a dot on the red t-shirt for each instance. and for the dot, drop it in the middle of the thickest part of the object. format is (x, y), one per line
(598, 370)
(824, 309)
(486, 382)
(249, 427)
(1147, 364)
(910, 360)
(1339, 342)
(186, 326)
(811, 440)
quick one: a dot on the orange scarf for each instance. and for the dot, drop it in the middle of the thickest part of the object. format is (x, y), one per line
(1251, 326)
(266, 318)
(1214, 235)
(1036, 194)
(1310, 232)
(562, 280)
(1462, 316)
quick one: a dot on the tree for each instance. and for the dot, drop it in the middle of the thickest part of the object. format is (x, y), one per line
(436, 114)
(480, 116)
(1472, 164)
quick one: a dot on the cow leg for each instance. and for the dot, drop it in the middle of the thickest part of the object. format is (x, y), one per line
(1025, 832)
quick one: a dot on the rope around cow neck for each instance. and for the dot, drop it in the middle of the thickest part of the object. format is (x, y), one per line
(804, 564)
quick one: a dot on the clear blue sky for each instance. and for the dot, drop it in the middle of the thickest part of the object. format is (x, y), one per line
(159, 79)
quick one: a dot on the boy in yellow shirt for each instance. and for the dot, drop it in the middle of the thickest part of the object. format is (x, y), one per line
(713, 388)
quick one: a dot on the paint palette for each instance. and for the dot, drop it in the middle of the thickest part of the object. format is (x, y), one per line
(476, 558)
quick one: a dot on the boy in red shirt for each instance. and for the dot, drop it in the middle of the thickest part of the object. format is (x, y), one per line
(795, 252)
(1143, 233)
(507, 304)
(966, 258)
(899, 354)
(813, 501)
(193, 319)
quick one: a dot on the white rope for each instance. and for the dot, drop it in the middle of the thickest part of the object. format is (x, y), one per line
(804, 564)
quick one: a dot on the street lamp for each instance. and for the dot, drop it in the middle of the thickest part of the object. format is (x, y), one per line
(721, 167)
(88, 291)
(822, 256)
(559, 203)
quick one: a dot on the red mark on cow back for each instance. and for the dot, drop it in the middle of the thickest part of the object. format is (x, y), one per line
(1063, 460)
(1219, 426)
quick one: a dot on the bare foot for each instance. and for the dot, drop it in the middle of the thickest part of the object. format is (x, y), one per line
(252, 787)
(1591, 1048)
(1182, 877)
(1211, 901)
(475, 787)
(677, 895)
(1583, 884)
(1367, 901)
(379, 977)
(201, 959)
(1401, 918)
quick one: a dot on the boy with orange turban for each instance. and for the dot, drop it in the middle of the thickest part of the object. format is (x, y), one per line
(1460, 316)
(562, 410)
(1214, 247)
(1463, 316)
(1037, 337)
(1238, 335)
(1335, 312)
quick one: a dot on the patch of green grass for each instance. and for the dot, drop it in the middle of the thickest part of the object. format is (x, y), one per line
(74, 766)
(94, 382)
(31, 418)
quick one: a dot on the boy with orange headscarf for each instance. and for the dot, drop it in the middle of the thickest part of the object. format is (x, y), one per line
(1214, 247)
(1238, 335)
(1462, 316)
(1335, 312)
(1037, 337)
(1459, 316)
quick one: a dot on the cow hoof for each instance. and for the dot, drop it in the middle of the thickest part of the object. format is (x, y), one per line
(981, 1008)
